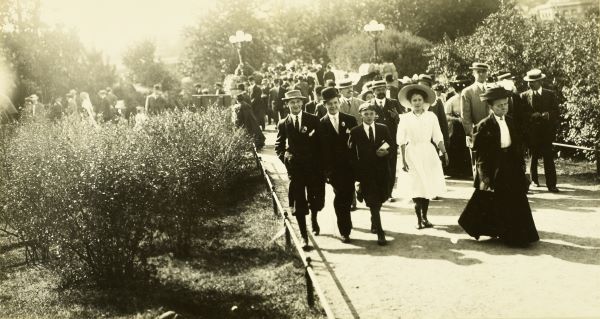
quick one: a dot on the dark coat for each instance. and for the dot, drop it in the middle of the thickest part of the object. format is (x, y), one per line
(276, 94)
(438, 109)
(258, 108)
(245, 118)
(328, 75)
(389, 115)
(302, 147)
(315, 108)
(372, 171)
(486, 143)
(520, 113)
(334, 147)
(541, 130)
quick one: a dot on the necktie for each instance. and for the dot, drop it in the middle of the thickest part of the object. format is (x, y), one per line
(296, 126)
(335, 124)
(371, 138)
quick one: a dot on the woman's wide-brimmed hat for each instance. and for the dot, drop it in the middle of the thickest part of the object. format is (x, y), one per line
(429, 98)
(293, 94)
(459, 82)
(494, 93)
(534, 75)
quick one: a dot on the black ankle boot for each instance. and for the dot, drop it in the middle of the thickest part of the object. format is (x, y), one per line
(418, 211)
(426, 223)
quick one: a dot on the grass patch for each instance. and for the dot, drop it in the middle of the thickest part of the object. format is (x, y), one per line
(234, 272)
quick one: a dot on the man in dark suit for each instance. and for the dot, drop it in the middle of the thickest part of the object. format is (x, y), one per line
(437, 108)
(392, 86)
(542, 126)
(370, 144)
(155, 102)
(388, 113)
(256, 102)
(329, 75)
(276, 95)
(316, 107)
(334, 132)
(297, 146)
(320, 73)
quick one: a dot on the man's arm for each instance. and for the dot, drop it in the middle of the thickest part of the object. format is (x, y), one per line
(465, 111)
(280, 142)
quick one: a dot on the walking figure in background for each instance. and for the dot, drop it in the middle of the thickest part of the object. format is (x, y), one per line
(420, 159)
(458, 152)
(297, 146)
(499, 206)
(543, 123)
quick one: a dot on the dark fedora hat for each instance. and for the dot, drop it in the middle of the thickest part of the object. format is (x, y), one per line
(329, 93)
(479, 66)
(534, 75)
(493, 93)
(425, 78)
(293, 94)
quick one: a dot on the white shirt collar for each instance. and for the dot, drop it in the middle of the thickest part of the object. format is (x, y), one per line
(336, 116)
(380, 102)
(481, 85)
(539, 91)
(366, 127)
(498, 119)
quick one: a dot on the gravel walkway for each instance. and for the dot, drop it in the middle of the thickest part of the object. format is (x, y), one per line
(443, 273)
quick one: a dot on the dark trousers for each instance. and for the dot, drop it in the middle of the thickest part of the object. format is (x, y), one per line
(393, 158)
(306, 190)
(376, 218)
(343, 187)
(543, 151)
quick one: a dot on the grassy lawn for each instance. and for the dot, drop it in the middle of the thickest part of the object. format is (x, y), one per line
(235, 272)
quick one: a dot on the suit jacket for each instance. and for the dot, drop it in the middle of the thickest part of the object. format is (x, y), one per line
(389, 116)
(472, 108)
(336, 155)
(155, 104)
(486, 143)
(350, 106)
(276, 94)
(541, 130)
(328, 76)
(373, 172)
(314, 108)
(438, 109)
(319, 75)
(302, 146)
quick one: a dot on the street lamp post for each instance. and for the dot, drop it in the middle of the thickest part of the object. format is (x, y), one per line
(374, 29)
(237, 39)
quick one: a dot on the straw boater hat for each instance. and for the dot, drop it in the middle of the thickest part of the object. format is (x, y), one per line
(479, 66)
(534, 75)
(293, 94)
(504, 75)
(493, 93)
(366, 107)
(378, 84)
(345, 84)
(429, 98)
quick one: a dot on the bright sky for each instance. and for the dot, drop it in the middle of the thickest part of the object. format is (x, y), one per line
(113, 25)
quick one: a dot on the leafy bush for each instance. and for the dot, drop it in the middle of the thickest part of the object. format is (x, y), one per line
(561, 48)
(403, 49)
(94, 201)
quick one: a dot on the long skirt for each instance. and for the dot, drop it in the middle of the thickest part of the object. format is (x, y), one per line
(425, 173)
(504, 213)
(458, 153)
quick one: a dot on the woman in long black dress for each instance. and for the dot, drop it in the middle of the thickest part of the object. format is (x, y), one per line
(458, 153)
(499, 205)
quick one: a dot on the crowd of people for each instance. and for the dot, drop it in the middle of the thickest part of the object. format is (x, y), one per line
(481, 129)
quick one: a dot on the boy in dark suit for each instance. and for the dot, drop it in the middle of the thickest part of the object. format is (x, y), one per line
(370, 145)
(388, 113)
(297, 146)
(334, 132)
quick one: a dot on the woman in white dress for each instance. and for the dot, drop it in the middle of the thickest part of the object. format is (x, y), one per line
(417, 130)
(87, 106)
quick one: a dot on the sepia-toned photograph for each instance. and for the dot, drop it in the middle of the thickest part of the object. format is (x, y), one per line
(318, 159)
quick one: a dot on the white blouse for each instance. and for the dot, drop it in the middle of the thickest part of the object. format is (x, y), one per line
(417, 129)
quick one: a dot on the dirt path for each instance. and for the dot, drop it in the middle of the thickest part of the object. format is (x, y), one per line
(443, 273)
